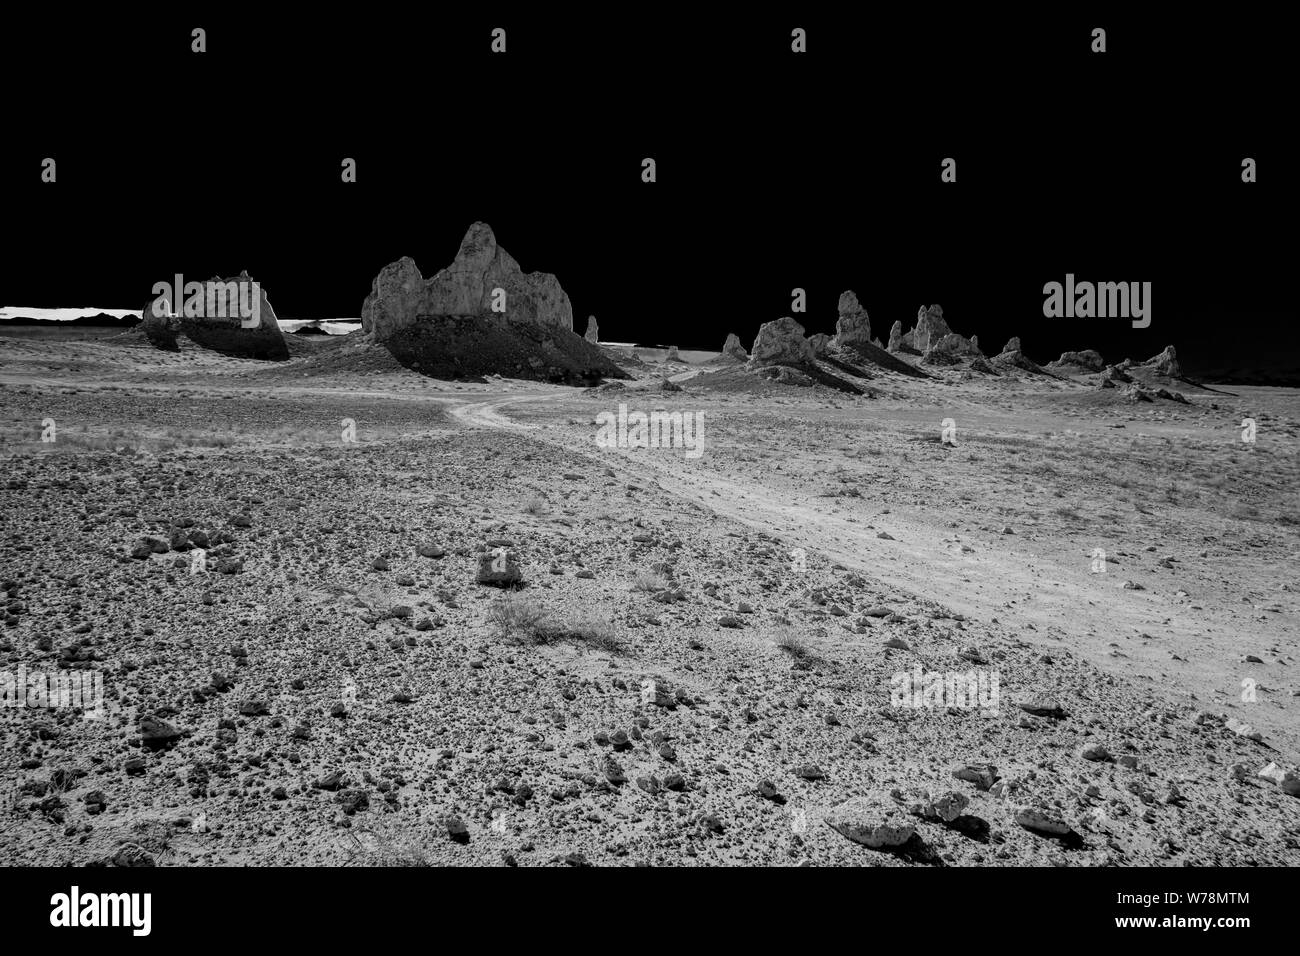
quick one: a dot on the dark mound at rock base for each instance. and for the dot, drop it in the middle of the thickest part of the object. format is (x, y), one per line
(474, 346)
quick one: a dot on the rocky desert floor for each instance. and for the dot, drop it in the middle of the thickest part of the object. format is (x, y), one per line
(696, 667)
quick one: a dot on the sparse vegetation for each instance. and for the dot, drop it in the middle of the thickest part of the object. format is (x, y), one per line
(521, 618)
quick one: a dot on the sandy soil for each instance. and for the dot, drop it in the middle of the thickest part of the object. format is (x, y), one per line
(374, 704)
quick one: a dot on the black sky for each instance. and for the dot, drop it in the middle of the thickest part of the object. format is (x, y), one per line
(775, 171)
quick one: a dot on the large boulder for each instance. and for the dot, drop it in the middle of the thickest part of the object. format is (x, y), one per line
(1166, 363)
(213, 320)
(853, 326)
(400, 297)
(781, 342)
(734, 349)
(593, 330)
(930, 327)
(872, 820)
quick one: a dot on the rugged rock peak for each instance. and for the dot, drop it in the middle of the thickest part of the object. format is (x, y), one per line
(1013, 345)
(400, 297)
(819, 342)
(853, 326)
(593, 330)
(734, 349)
(1166, 363)
(930, 327)
(781, 342)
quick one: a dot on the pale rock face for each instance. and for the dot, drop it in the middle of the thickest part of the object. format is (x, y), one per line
(930, 327)
(734, 348)
(1013, 344)
(593, 330)
(400, 296)
(853, 326)
(781, 342)
(672, 355)
(1166, 363)
(895, 336)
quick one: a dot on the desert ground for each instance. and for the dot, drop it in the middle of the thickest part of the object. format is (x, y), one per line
(696, 666)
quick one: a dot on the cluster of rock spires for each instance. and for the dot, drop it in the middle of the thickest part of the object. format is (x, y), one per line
(784, 344)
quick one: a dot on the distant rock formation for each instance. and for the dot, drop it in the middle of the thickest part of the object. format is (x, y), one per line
(220, 327)
(401, 298)
(853, 326)
(1137, 392)
(781, 342)
(1089, 359)
(593, 330)
(820, 343)
(930, 327)
(1113, 375)
(1012, 357)
(734, 349)
(1166, 363)
(672, 355)
(950, 349)
(445, 326)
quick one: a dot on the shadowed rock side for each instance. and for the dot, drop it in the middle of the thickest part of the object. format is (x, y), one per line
(445, 326)
(220, 334)
(400, 297)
